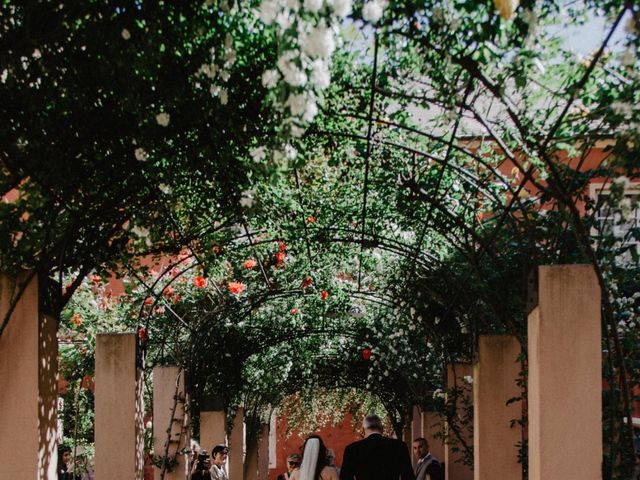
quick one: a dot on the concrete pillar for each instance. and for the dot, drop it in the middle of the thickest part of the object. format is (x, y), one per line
(494, 383)
(236, 447)
(565, 379)
(263, 453)
(433, 431)
(457, 376)
(170, 420)
(28, 397)
(251, 462)
(118, 408)
(212, 429)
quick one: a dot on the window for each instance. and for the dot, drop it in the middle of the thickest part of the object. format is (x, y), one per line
(622, 220)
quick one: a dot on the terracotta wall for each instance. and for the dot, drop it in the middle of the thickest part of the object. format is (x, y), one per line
(336, 438)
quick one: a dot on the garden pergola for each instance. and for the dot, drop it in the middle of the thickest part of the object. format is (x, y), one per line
(452, 154)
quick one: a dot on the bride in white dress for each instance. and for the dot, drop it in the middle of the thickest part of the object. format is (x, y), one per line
(314, 462)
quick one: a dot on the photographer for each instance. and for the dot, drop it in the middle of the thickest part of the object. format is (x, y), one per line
(201, 466)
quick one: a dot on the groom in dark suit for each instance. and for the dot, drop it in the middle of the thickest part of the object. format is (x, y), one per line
(376, 457)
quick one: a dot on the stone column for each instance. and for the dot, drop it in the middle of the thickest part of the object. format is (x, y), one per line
(565, 380)
(263, 453)
(236, 447)
(495, 375)
(170, 420)
(457, 376)
(433, 431)
(212, 429)
(28, 397)
(118, 408)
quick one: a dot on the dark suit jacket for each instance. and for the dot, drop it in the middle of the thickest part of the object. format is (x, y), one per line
(376, 458)
(431, 468)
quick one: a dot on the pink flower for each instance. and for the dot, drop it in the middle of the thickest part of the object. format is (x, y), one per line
(250, 263)
(295, 311)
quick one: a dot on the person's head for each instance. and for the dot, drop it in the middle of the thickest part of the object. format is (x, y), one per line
(331, 456)
(420, 447)
(372, 424)
(64, 457)
(219, 454)
(293, 461)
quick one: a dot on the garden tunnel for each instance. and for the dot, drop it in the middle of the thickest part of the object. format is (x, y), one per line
(404, 208)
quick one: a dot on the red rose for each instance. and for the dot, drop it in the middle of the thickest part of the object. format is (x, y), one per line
(282, 246)
(87, 383)
(236, 287)
(295, 311)
(76, 319)
(366, 353)
(324, 295)
(280, 256)
(148, 301)
(311, 220)
(142, 334)
(307, 282)
(250, 263)
(200, 281)
(169, 291)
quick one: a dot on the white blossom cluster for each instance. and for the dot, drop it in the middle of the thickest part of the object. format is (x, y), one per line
(308, 30)
(218, 70)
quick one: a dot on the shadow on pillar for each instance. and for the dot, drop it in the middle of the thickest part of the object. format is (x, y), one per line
(28, 368)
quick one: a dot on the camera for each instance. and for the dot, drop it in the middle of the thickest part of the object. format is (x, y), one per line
(203, 456)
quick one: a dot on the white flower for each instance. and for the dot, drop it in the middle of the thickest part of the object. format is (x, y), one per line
(224, 96)
(4, 75)
(258, 154)
(468, 379)
(292, 74)
(163, 119)
(125, 34)
(141, 232)
(320, 76)
(312, 5)
(311, 109)
(372, 11)
(290, 151)
(506, 7)
(297, 131)
(215, 90)
(247, 198)
(164, 188)
(284, 19)
(270, 78)
(319, 43)
(37, 54)
(297, 103)
(141, 154)
(224, 75)
(268, 11)
(342, 8)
